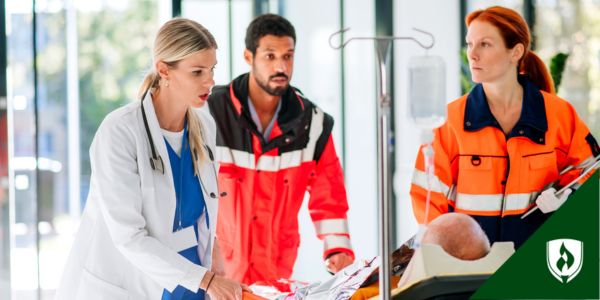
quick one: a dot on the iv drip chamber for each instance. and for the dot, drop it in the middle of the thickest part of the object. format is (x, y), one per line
(427, 91)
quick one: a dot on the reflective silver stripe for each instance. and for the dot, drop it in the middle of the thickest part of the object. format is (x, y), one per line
(420, 179)
(452, 193)
(291, 159)
(275, 163)
(316, 128)
(518, 201)
(331, 226)
(493, 202)
(336, 241)
(243, 159)
(268, 163)
(479, 202)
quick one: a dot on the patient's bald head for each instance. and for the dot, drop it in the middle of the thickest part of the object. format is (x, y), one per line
(459, 235)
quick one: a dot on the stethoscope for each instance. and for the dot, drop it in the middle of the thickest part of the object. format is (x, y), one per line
(156, 161)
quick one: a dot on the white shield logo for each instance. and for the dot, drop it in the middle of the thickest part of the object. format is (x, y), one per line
(564, 258)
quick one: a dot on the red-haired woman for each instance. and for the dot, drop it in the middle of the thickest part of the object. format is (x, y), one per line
(504, 144)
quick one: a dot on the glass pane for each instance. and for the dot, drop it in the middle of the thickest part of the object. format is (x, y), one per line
(52, 139)
(360, 99)
(317, 70)
(23, 160)
(573, 27)
(90, 60)
(241, 11)
(113, 41)
(212, 14)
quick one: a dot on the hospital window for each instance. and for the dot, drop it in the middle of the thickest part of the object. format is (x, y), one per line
(87, 59)
(573, 28)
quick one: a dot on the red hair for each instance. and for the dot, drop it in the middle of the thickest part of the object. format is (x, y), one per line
(514, 30)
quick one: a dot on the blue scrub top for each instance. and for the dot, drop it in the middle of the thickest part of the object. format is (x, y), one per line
(189, 208)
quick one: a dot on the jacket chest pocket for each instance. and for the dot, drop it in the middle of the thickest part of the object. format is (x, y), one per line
(480, 174)
(539, 170)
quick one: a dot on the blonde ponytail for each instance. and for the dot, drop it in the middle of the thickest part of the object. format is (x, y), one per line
(196, 140)
(150, 81)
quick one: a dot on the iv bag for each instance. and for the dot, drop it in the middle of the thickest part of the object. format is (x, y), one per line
(427, 91)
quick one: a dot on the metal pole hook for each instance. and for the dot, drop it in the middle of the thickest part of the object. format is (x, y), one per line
(342, 45)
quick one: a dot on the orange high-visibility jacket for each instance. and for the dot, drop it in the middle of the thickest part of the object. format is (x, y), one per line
(496, 178)
(266, 182)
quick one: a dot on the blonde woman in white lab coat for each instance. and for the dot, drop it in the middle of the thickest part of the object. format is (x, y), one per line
(148, 228)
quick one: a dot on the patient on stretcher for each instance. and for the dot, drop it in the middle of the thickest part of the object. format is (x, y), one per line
(453, 243)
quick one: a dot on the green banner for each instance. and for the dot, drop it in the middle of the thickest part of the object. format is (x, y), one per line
(560, 260)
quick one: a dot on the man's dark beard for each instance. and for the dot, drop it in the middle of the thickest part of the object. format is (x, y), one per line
(278, 91)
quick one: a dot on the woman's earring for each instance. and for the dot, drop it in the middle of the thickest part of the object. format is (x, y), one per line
(167, 83)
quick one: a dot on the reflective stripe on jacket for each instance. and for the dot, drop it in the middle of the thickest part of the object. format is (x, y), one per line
(266, 183)
(495, 177)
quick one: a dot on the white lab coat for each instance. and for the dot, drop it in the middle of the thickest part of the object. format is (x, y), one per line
(126, 247)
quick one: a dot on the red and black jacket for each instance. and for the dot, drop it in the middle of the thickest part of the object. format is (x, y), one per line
(266, 182)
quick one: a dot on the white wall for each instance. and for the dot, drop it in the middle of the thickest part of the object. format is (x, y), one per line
(317, 75)
(213, 14)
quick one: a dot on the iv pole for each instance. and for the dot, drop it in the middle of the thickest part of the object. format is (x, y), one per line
(382, 47)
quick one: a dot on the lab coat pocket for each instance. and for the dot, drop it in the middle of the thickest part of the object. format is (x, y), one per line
(183, 239)
(93, 288)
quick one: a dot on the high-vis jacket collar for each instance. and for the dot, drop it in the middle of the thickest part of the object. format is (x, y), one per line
(531, 124)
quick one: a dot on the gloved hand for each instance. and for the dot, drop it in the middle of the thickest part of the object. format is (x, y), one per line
(547, 201)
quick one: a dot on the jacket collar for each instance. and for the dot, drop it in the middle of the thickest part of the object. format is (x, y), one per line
(532, 123)
(292, 105)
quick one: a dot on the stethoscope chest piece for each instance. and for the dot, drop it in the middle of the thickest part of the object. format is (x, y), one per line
(157, 164)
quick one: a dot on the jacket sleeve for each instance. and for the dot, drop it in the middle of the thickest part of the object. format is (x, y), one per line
(441, 183)
(116, 187)
(328, 204)
(583, 151)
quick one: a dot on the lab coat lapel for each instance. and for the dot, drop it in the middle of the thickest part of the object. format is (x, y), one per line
(208, 173)
(208, 179)
(165, 189)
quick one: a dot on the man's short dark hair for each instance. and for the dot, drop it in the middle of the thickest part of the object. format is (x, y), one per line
(268, 24)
